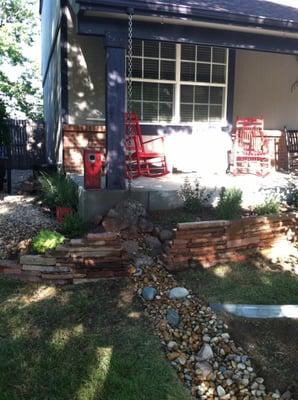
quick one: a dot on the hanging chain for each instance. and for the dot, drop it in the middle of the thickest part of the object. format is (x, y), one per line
(129, 99)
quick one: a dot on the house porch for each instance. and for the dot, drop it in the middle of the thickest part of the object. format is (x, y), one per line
(258, 74)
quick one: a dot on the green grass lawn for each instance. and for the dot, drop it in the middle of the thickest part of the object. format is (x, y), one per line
(80, 343)
(243, 283)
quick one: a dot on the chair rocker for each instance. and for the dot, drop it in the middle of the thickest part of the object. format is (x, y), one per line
(140, 161)
(250, 154)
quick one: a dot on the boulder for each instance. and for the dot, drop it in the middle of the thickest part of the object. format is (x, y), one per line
(165, 235)
(153, 244)
(145, 226)
(124, 215)
(131, 247)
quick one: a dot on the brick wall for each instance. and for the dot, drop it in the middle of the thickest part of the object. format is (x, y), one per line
(76, 138)
(208, 243)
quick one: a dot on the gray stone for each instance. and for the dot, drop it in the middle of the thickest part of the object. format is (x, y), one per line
(205, 368)
(178, 293)
(286, 395)
(145, 225)
(172, 345)
(143, 261)
(37, 260)
(220, 391)
(149, 293)
(165, 235)
(205, 353)
(173, 317)
(131, 247)
(152, 242)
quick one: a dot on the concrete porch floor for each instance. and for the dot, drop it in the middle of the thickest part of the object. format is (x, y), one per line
(161, 193)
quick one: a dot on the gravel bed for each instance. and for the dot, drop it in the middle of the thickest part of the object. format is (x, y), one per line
(20, 219)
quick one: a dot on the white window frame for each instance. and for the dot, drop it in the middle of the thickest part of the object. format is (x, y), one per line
(177, 83)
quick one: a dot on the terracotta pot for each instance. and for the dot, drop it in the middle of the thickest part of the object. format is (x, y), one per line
(61, 212)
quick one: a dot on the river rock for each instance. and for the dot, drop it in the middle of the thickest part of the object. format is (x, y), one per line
(149, 293)
(204, 368)
(220, 391)
(178, 293)
(173, 317)
(205, 353)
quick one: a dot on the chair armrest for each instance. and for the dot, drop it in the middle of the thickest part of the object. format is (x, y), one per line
(153, 140)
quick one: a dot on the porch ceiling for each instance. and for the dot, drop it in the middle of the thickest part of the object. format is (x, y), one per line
(274, 14)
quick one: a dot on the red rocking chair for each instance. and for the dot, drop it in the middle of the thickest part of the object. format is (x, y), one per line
(250, 154)
(139, 160)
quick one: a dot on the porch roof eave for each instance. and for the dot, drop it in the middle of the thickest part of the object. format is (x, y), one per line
(178, 10)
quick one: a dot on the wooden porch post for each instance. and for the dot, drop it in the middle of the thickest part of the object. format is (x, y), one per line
(115, 107)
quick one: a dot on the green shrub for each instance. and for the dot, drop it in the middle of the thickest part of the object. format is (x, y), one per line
(270, 206)
(73, 226)
(58, 190)
(229, 205)
(47, 240)
(194, 195)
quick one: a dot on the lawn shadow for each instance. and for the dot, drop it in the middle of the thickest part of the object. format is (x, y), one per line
(80, 343)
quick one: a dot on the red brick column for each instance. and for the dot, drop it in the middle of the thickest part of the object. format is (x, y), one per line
(76, 138)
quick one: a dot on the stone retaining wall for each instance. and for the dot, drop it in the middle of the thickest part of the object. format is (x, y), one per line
(96, 256)
(208, 243)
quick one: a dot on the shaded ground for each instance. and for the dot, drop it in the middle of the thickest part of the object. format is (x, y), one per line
(254, 282)
(273, 345)
(80, 343)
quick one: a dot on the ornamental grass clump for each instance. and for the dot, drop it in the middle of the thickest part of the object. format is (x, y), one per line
(58, 190)
(47, 240)
(229, 205)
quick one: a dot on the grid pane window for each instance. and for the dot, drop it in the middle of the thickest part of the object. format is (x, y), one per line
(153, 102)
(204, 99)
(152, 62)
(162, 70)
(201, 103)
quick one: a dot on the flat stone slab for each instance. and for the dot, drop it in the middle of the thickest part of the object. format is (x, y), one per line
(258, 310)
(37, 260)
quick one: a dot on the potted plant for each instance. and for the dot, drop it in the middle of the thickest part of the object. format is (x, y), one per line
(60, 193)
(67, 197)
(4, 142)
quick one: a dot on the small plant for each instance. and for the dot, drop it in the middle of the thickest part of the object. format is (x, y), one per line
(47, 240)
(194, 196)
(229, 205)
(73, 226)
(270, 206)
(58, 190)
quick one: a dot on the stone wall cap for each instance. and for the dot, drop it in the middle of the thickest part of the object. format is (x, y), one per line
(202, 224)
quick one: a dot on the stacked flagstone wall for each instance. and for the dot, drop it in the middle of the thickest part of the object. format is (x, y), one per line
(208, 243)
(98, 255)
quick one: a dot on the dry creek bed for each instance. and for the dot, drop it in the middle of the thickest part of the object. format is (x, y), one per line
(197, 342)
